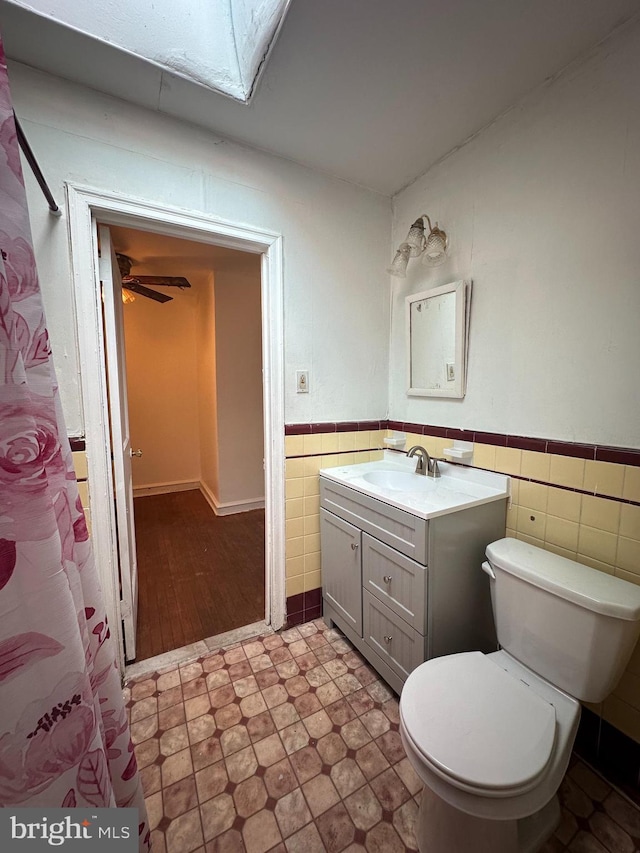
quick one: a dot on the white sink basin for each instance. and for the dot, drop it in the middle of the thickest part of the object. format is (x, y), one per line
(401, 481)
(393, 480)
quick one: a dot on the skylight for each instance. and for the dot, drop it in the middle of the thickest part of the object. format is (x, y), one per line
(220, 44)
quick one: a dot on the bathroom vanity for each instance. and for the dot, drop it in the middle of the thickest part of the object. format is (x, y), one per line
(401, 558)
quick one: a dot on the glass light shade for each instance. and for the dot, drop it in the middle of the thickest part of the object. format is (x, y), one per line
(127, 296)
(435, 251)
(415, 238)
(398, 266)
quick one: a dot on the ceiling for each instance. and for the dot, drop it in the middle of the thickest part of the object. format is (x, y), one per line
(371, 91)
(155, 254)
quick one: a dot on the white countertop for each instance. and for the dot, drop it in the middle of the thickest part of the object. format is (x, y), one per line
(457, 488)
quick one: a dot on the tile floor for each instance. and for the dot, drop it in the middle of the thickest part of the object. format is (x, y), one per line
(289, 742)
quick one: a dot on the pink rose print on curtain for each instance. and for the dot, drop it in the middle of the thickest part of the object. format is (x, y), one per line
(7, 560)
(51, 741)
(20, 266)
(64, 734)
(30, 449)
(24, 649)
(9, 146)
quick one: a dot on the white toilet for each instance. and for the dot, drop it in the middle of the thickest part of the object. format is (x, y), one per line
(491, 735)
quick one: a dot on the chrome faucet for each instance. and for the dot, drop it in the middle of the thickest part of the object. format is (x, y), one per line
(425, 464)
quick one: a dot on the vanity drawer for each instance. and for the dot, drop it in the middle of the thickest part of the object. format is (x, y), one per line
(405, 532)
(397, 581)
(394, 641)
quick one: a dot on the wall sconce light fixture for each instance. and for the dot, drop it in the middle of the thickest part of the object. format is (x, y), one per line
(433, 246)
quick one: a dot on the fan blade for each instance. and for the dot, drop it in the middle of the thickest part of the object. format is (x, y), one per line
(163, 280)
(138, 288)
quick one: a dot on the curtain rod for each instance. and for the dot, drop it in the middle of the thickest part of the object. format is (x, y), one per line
(33, 163)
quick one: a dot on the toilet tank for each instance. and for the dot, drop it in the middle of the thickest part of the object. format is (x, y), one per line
(573, 625)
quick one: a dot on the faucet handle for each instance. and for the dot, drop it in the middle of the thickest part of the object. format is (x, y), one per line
(434, 470)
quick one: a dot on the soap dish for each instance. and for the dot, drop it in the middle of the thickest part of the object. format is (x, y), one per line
(459, 454)
(396, 441)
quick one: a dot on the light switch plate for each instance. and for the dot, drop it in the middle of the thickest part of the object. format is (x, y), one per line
(302, 381)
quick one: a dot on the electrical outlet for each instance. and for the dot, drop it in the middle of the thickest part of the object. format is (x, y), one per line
(302, 381)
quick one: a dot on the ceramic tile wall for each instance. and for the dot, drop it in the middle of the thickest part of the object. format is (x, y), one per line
(305, 455)
(80, 465)
(585, 510)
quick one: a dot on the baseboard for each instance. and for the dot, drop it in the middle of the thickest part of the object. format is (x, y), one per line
(165, 488)
(609, 751)
(232, 506)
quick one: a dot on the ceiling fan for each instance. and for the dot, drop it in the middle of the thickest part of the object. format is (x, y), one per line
(137, 283)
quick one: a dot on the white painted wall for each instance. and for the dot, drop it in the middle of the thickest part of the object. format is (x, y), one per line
(207, 392)
(542, 209)
(238, 318)
(194, 372)
(336, 235)
(162, 388)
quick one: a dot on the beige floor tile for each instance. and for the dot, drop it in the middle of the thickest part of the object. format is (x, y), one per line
(184, 833)
(320, 793)
(206, 752)
(269, 750)
(347, 777)
(336, 828)
(176, 767)
(250, 796)
(211, 781)
(241, 764)
(280, 779)
(306, 763)
(292, 812)
(218, 815)
(180, 797)
(364, 808)
(261, 833)
(331, 748)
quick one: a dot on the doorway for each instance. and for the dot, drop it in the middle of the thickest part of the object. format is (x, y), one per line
(86, 208)
(192, 329)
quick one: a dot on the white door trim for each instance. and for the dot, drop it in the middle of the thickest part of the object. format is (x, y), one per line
(86, 205)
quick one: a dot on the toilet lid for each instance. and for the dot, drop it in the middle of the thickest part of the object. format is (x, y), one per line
(476, 725)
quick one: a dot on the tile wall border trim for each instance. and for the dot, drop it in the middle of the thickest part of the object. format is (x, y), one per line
(333, 426)
(568, 489)
(593, 452)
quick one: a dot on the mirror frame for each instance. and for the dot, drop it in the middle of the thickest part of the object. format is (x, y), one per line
(462, 290)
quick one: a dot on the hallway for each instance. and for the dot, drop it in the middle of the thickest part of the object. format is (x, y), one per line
(199, 574)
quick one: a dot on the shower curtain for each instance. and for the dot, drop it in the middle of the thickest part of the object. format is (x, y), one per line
(64, 734)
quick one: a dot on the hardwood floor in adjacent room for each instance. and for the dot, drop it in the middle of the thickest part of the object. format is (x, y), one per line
(199, 574)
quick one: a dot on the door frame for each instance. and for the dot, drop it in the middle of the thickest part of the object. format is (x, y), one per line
(86, 205)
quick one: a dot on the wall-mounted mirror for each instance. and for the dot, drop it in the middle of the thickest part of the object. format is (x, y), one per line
(437, 339)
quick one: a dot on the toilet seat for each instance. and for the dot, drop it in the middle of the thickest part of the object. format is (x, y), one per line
(478, 727)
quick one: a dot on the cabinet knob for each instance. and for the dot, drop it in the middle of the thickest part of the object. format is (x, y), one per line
(387, 578)
(387, 639)
(354, 546)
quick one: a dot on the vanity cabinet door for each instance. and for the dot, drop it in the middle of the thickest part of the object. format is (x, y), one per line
(341, 568)
(396, 580)
(391, 638)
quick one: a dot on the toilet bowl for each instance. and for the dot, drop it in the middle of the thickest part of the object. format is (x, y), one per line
(487, 735)
(490, 736)
(499, 757)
